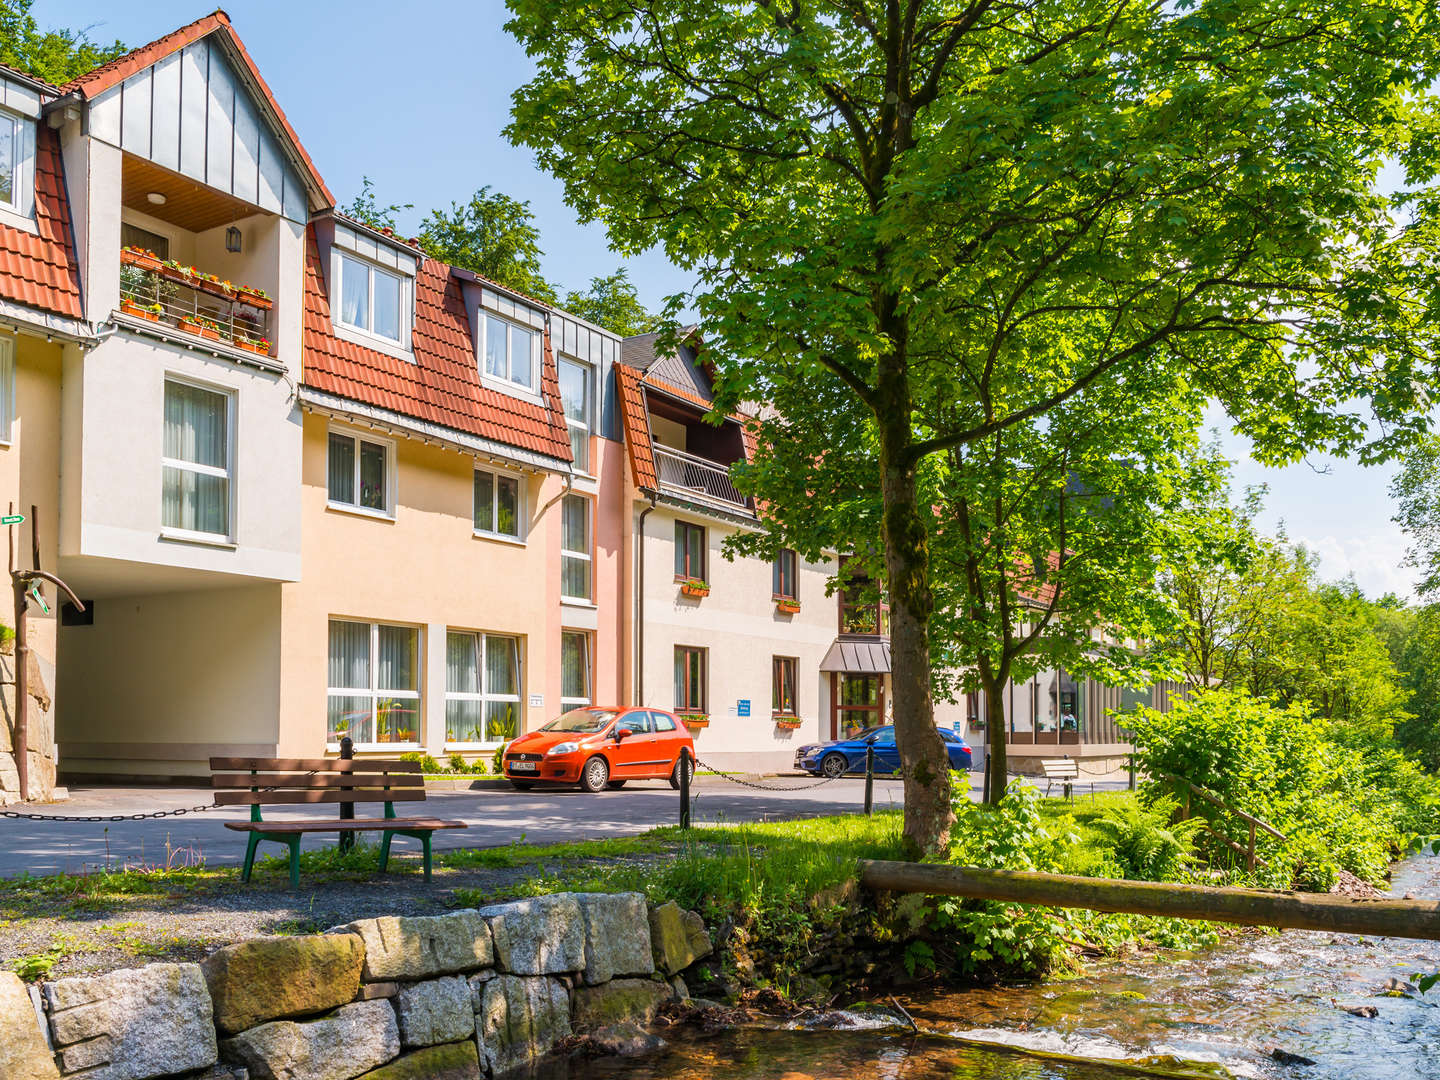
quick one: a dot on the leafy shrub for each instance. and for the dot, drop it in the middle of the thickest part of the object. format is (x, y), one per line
(1145, 844)
(428, 762)
(458, 763)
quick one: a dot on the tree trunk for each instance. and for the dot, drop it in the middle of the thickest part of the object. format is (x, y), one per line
(925, 764)
(997, 767)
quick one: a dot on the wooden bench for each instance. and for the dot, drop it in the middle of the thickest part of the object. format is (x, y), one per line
(257, 782)
(1066, 771)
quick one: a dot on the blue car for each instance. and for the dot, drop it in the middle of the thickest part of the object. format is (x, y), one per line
(848, 755)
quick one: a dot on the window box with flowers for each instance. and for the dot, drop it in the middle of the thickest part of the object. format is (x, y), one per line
(694, 587)
(141, 257)
(787, 605)
(198, 324)
(252, 344)
(694, 719)
(150, 312)
(787, 721)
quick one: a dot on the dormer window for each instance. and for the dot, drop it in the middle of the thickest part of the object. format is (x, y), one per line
(511, 352)
(17, 157)
(10, 160)
(369, 299)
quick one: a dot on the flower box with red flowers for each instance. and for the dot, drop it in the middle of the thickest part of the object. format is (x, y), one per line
(202, 327)
(787, 606)
(694, 719)
(786, 721)
(151, 312)
(695, 588)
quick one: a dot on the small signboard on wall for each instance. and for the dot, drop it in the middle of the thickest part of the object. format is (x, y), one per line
(742, 707)
(537, 701)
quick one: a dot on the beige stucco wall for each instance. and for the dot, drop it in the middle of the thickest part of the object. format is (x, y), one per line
(160, 682)
(29, 475)
(743, 632)
(425, 568)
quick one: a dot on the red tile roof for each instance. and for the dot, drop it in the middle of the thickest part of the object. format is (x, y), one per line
(29, 76)
(442, 386)
(40, 269)
(637, 427)
(118, 70)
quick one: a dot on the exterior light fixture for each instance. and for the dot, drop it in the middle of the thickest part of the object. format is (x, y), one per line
(232, 239)
(157, 198)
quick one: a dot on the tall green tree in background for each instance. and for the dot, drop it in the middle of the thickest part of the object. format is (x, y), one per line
(57, 55)
(493, 235)
(612, 302)
(961, 214)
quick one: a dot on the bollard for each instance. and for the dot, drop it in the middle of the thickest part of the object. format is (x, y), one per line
(347, 809)
(869, 779)
(1132, 771)
(685, 769)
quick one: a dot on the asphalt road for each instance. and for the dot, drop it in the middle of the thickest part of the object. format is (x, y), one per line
(496, 815)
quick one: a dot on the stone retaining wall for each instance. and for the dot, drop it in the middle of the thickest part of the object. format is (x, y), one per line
(471, 994)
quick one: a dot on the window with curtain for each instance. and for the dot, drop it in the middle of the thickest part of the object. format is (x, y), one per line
(369, 298)
(782, 685)
(136, 237)
(575, 397)
(511, 351)
(689, 551)
(497, 504)
(575, 686)
(7, 388)
(575, 558)
(784, 575)
(690, 681)
(374, 683)
(195, 460)
(482, 687)
(358, 472)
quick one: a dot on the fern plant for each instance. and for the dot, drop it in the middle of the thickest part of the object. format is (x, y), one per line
(1148, 845)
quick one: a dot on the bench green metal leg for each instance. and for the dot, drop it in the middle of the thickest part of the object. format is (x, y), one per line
(423, 835)
(294, 842)
(250, 845)
(385, 849)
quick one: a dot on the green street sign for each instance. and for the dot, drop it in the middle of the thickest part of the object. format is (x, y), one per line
(12, 519)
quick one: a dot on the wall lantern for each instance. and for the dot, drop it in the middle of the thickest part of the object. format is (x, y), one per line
(232, 239)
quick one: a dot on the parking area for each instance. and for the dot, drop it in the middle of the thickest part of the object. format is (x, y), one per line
(496, 815)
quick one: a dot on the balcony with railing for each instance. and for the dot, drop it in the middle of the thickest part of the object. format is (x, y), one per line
(688, 475)
(184, 299)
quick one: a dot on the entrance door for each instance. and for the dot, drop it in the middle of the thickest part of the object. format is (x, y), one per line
(860, 704)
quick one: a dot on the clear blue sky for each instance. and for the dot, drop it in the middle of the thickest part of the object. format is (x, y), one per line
(415, 95)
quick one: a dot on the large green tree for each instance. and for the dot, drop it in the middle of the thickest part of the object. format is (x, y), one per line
(493, 235)
(56, 55)
(613, 302)
(963, 213)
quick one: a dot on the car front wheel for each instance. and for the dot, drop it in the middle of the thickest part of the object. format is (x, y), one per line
(595, 775)
(689, 766)
(834, 765)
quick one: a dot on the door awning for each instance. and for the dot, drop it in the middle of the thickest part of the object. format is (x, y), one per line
(858, 657)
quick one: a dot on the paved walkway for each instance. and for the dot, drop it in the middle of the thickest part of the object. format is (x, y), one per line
(496, 814)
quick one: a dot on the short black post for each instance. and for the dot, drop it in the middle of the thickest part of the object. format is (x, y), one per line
(347, 809)
(1132, 771)
(869, 779)
(685, 770)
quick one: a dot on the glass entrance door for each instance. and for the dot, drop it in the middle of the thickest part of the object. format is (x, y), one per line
(860, 703)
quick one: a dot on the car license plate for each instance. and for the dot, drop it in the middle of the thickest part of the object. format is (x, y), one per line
(522, 766)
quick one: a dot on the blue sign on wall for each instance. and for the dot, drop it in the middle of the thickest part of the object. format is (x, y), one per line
(743, 707)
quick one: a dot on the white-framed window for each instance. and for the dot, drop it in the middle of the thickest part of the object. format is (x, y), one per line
(370, 299)
(482, 688)
(576, 684)
(575, 557)
(11, 159)
(195, 460)
(575, 386)
(360, 472)
(7, 389)
(499, 504)
(510, 352)
(374, 684)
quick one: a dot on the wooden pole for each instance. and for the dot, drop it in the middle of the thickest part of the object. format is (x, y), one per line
(1247, 907)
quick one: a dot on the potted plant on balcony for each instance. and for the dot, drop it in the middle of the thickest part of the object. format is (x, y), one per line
(787, 605)
(694, 587)
(249, 294)
(199, 324)
(149, 312)
(251, 344)
(694, 720)
(141, 257)
(787, 721)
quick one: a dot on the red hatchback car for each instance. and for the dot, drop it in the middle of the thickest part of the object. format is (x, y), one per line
(599, 747)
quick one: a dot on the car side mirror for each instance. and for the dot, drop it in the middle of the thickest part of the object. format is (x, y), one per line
(622, 733)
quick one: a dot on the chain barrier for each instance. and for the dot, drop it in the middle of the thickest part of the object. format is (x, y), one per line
(766, 787)
(17, 816)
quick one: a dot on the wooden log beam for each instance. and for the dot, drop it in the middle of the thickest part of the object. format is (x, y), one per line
(1247, 907)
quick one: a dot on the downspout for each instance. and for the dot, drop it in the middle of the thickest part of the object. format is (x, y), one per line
(640, 605)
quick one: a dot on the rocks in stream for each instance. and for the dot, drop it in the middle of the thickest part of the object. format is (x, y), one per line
(1284, 1057)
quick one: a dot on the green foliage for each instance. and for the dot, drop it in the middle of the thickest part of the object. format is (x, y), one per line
(365, 208)
(428, 762)
(613, 302)
(458, 763)
(1147, 845)
(57, 56)
(1342, 803)
(493, 235)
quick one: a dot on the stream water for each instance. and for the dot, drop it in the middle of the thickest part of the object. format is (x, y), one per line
(1178, 1013)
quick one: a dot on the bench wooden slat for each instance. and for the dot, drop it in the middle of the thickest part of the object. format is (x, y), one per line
(319, 795)
(358, 825)
(316, 780)
(335, 765)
